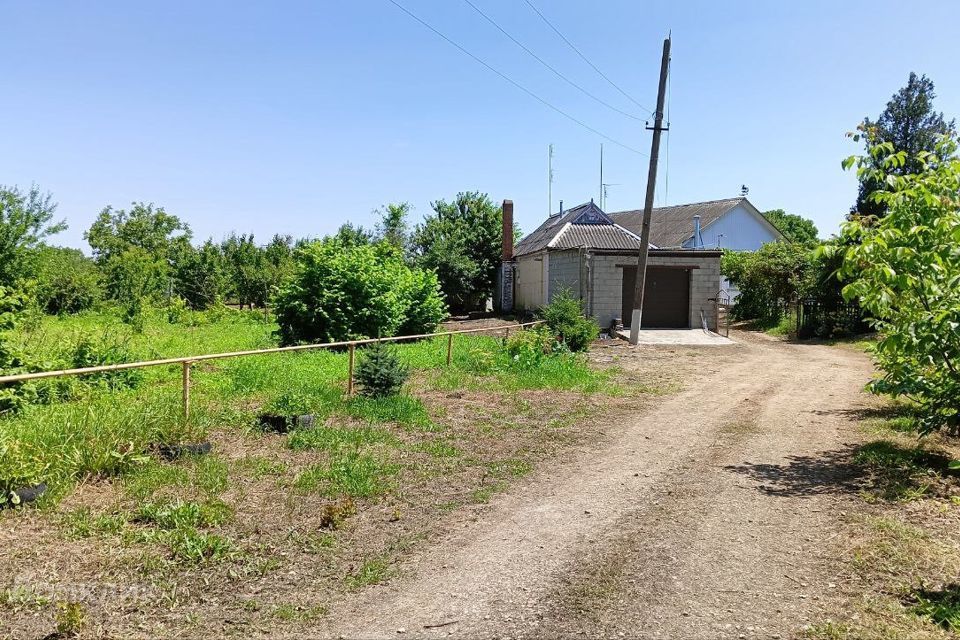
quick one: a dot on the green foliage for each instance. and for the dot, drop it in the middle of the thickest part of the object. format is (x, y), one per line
(461, 242)
(564, 316)
(138, 251)
(379, 372)
(24, 223)
(905, 270)
(529, 347)
(254, 274)
(13, 396)
(200, 276)
(94, 350)
(768, 279)
(393, 228)
(793, 227)
(911, 125)
(342, 292)
(66, 281)
(71, 618)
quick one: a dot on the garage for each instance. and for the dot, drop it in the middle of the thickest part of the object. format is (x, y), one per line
(666, 297)
(583, 253)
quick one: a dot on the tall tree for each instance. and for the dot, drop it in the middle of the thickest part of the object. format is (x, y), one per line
(138, 250)
(793, 227)
(912, 125)
(393, 227)
(24, 223)
(461, 241)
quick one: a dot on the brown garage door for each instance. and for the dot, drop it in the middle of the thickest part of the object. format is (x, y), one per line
(666, 297)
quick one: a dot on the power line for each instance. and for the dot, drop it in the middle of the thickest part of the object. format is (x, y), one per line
(550, 67)
(517, 84)
(585, 59)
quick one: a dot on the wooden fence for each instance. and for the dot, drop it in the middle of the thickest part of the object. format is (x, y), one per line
(187, 362)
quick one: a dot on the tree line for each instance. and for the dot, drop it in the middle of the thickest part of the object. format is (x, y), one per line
(145, 255)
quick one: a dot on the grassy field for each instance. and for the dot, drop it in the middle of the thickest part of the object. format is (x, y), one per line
(135, 544)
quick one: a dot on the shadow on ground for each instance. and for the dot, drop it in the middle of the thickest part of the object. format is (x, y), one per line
(883, 469)
(830, 472)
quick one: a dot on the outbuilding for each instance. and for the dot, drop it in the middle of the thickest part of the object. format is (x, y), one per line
(583, 251)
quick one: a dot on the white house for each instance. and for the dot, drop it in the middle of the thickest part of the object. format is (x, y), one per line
(733, 223)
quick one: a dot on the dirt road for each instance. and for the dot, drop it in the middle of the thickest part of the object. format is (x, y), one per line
(708, 516)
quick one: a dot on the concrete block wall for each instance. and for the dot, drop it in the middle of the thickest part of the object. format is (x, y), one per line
(564, 273)
(606, 287)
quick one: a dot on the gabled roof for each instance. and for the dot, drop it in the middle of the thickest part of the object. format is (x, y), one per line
(582, 226)
(672, 226)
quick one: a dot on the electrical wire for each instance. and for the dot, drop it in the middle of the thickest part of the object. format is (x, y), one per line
(584, 58)
(550, 67)
(517, 84)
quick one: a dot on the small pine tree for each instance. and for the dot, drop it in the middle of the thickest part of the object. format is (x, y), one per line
(380, 372)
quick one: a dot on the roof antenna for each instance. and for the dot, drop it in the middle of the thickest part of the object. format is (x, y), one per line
(744, 190)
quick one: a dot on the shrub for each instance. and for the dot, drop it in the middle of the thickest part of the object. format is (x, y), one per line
(380, 372)
(13, 396)
(67, 281)
(90, 350)
(344, 292)
(904, 269)
(565, 319)
(528, 348)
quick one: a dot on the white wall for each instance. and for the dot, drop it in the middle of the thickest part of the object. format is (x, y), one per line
(738, 229)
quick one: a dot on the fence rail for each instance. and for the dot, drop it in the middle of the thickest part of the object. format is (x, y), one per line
(187, 361)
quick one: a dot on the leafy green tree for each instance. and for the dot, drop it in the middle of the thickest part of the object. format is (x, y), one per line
(911, 124)
(201, 276)
(244, 269)
(341, 291)
(351, 235)
(905, 270)
(793, 227)
(768, 279)
(393, 227)
(461, 242)
(147, 240)
(66, 281)
(25, 220)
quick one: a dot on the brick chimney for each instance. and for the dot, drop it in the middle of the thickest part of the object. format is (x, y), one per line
(507, 230)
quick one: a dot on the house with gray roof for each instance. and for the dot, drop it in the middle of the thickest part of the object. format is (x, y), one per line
(594, 257)
(733, 223)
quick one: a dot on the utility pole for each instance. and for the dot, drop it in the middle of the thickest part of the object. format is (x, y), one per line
(648, 203)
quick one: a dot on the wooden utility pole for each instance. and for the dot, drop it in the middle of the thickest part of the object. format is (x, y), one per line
(648, 203)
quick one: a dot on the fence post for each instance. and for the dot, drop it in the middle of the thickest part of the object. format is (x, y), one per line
(350, 373)
(186, 391)
(449, 347)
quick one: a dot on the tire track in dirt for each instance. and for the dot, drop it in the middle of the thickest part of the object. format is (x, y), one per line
(690, 540)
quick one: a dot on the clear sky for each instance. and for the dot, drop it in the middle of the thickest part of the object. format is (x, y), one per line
(296, 116)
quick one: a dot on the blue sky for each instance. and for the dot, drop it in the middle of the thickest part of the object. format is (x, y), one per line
(294, 117)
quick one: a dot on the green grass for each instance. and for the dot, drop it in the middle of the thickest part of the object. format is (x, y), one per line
(372, 571)
(108, 432)
(353, 474)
